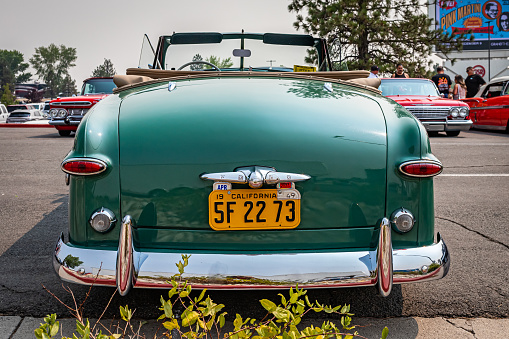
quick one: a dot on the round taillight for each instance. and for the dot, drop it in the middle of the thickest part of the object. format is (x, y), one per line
(83, 166)
(421, 168)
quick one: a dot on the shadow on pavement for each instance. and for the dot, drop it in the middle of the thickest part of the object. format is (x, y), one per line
(27, 265)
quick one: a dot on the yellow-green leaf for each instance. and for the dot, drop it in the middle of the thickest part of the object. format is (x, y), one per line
(268, 305)
(190, 319)
(385, 332)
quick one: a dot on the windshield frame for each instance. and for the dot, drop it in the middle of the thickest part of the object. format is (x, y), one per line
(319, 44)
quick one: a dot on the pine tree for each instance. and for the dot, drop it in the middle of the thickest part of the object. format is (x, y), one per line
(362, 33)
(7, 97)
(104, 70)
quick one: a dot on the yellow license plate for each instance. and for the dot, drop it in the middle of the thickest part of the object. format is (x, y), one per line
(252, 209)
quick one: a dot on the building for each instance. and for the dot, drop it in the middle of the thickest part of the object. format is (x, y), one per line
(489, 22)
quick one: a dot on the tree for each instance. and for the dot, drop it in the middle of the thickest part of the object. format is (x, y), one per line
(104, 70)
(68, 87)
(52, 65)
(12, 69)
(225, 63)
(367, 32)
(197, 57)
(7, 97)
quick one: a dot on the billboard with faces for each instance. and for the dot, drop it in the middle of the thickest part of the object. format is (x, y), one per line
(488, 21)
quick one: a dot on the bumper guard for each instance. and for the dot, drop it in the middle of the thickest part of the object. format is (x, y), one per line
(127, 268)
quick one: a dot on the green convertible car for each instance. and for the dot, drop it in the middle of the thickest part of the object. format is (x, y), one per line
(267, 170)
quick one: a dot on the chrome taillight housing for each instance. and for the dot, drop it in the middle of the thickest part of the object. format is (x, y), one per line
(423, 168)
(83, 166)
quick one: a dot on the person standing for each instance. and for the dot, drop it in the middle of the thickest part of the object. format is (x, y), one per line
(460, 89)
(443, 82)
(374, 72)
(473, 82)
(399, 72)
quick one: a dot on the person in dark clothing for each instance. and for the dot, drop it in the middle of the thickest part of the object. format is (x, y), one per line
(443, 82)
(399, 72)
(473, 82)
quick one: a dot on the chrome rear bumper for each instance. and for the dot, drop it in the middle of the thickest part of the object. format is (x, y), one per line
(127, 267)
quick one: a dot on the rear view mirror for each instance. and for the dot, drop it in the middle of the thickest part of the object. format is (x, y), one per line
(243, 53)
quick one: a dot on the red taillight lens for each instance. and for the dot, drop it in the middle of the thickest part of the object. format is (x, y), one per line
(83, 166)
(421, 169)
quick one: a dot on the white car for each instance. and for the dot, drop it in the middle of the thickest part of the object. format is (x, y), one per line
(23, 115)
(3, 113)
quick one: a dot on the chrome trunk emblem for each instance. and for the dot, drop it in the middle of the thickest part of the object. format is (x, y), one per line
(255, 176)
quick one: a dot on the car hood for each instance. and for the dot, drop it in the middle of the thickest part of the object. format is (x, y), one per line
(92, 98)
(424, 100)
(167, 139)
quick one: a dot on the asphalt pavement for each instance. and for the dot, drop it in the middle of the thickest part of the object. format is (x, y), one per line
(21, 324)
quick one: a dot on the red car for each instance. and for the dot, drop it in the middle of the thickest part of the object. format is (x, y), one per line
(422, 99)
(490, 107)
(66, 113)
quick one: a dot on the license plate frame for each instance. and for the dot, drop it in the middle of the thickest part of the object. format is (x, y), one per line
(254, 209)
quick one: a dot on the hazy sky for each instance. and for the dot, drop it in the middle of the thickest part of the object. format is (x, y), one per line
(114, 29)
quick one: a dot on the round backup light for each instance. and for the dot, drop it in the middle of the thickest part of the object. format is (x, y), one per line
(102, 220)
(463, 112)
(53, 112)
(402, 220)
(455, 111)
(62, 112)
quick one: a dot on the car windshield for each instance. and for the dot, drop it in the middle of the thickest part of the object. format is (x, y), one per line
(408, 87)
(15, 107)
(98, 86)
(231, 52)
(19, 115)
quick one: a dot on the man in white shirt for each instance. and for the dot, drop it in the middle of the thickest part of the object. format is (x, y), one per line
(374, 72)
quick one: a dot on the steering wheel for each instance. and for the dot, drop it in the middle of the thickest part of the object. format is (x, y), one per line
(200, 62)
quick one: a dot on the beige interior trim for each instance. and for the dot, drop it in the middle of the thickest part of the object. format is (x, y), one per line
(137, 77)
(158, 73)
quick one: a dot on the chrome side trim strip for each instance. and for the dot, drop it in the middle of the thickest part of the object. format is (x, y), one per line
(263, 271)
(480, 108)
(124, 273)
(384, 259)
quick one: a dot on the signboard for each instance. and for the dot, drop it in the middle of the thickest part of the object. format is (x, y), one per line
(487, 19)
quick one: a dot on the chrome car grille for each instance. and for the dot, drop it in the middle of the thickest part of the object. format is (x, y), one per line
(71, 103)
(77, 111)
(429, 112)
